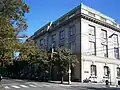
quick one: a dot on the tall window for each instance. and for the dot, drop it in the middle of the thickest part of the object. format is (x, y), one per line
(72, 30)
(93, 70)
(45, 43)
(72, 46)
(116, 46)
(41, 43)
(118, 71)
(53, 39)
(62, 35)
(104, 42)
(92, 40)
(106, 71)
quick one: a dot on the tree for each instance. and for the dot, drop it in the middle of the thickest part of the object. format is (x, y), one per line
(28, 51)
(64, 59)
(33, 55)
(12, 22)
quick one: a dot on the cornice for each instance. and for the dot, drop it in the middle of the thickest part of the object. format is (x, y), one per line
(55, 26)
(97, 21)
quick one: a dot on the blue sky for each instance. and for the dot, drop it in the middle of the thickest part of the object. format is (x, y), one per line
(44, 11)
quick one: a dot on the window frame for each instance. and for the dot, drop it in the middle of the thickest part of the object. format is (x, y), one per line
(116, 54)
(105, 34)
(116, 47)
(118, 73)
(91, 51)
(53, 40)
(106, 73)
(94, 30)
(71, 46)
(93, 35)
(106, 42)
(92, 68)
(72, 30)
(41, 43)
(62, 35)
(106, 50)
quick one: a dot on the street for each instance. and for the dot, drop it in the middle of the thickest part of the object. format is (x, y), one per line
(14, 84)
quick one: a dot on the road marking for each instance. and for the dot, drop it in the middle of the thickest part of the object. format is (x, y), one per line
(24, 86)
(6, 87)
(32, 85)
(46, 85)
(15, 86)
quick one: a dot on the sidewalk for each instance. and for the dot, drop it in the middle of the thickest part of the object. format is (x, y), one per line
(65, 83)
(75, 83)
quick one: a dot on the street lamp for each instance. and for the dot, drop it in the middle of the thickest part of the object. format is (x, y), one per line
(69, 73)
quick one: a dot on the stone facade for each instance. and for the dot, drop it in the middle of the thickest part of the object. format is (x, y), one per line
(100, 46)
(93, 36)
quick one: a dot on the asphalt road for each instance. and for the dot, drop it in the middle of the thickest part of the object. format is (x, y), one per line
(14, 84)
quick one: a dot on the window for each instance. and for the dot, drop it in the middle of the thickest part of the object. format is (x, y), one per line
(72, 46)
(116, 46)
(116, 52)
(93, 70)
(104, 34)
(41, 43)
(118, 72)
(62, 35)
(72, 30)
(105, 50)
(106, 71)
(104, 42)
(92, 34)
(92, 40)
(45, 43)
(91, 30)
(115, 39)
(92, 48)
(53, 39)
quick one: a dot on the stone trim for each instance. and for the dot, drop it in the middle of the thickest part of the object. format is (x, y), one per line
(97, 21)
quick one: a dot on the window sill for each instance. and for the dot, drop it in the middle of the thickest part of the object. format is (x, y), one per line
(93, 76)
(106, 77)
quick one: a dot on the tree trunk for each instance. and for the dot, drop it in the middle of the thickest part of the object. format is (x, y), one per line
(62, 79)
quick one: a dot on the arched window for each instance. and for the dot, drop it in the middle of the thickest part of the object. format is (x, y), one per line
(106, 71)
(118, 71)
(93, 70)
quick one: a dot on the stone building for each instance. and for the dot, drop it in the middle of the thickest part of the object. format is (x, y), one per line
(92, 36)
